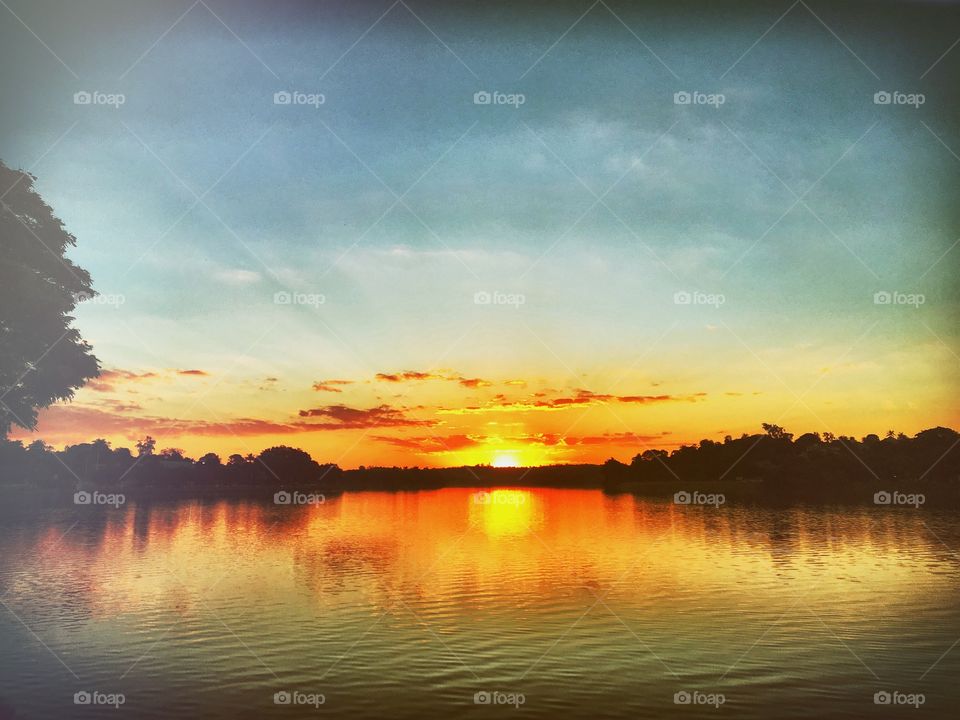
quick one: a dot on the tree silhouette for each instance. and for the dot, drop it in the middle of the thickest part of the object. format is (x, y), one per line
(146, 446)
(42, 358)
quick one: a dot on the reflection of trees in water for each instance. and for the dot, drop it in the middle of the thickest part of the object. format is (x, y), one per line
(374, 550)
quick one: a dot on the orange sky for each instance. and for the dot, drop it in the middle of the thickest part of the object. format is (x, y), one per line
(440, 416)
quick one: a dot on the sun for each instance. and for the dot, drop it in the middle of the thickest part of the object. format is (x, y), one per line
(506, 458)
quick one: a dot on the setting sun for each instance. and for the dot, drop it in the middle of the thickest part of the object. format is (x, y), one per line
(506, 458)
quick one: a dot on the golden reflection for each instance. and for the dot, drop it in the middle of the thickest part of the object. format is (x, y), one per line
(476, 548)
(502, 512)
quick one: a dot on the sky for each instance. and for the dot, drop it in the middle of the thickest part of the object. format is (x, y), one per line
(669, 222)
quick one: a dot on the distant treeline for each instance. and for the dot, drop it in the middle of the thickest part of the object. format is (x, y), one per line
(773, 460)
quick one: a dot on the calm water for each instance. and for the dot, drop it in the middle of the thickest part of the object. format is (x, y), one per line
(407, 604)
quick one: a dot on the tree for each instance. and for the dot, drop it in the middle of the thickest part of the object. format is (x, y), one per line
(175, 454)
(776, 432)
(211, 459)
(289, 463)
(42, 358)
(146, 446)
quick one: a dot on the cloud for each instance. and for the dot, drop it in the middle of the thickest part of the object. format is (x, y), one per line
(581, 398)
(120, 405)
(108, 379)
(344, 418)
(474, 382)
(408, 375)
(413, 375)
(432, 445)
(78, 423)
(329, 385)
(237, 276)
(69, 421)
(551, 439)
(621, 438)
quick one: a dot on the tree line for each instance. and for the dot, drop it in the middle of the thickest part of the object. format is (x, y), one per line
(773, 458)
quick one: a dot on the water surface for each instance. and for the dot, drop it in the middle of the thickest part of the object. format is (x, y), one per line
(408, 604)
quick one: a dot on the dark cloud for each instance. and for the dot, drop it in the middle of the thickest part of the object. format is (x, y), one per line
(341, 417)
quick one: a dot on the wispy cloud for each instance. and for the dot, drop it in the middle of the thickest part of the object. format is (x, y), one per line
(330, 385)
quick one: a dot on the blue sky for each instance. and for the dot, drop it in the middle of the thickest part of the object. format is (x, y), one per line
(597, 199)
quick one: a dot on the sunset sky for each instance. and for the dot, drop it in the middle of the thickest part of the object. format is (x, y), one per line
(401, 276)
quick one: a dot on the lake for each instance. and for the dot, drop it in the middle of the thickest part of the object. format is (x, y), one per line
(445, 603)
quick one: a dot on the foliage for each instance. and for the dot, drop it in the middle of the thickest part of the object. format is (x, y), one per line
(42, 358)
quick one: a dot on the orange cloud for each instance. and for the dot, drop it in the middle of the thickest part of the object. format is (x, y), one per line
(67, 420)
(329, 385)
(408, 375)
(108, 379)
(621, 438)
(344, 417)
(582, 398)
(413, 375)
(432, 445)
(474, 382)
